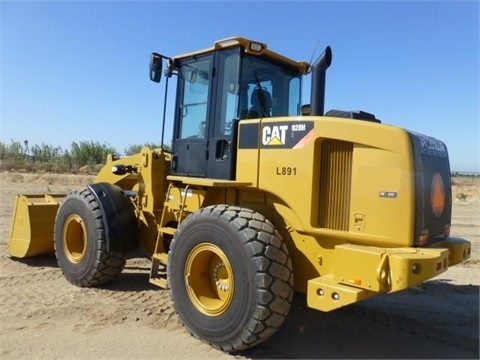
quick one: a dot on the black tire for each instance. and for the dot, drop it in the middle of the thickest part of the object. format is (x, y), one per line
(230, 277)
(80, 243)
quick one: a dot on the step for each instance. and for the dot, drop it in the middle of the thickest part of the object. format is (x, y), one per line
(161, 257)
(158, 271)
(161, 282)
(168, 230)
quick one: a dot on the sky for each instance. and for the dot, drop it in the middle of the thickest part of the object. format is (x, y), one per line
(78, 71)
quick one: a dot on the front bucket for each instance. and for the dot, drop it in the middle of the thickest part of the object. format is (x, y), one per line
(33, 225)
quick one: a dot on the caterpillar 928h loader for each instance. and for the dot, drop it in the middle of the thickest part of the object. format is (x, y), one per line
(259, 197)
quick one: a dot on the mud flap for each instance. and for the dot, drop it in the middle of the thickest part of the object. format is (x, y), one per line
(32, 225)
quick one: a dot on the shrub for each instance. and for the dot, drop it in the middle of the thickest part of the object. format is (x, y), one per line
(45, 157)
(18, 156)
(89, 153)
(13, 156)
(135, 149)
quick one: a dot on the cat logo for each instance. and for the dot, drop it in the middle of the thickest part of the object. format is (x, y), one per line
(274, 135)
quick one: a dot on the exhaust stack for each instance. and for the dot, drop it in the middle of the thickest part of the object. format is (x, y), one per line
(317, 95)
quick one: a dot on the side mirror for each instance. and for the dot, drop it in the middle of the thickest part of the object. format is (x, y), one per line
(155, 67)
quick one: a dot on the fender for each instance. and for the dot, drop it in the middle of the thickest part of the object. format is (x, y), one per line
(121, 225)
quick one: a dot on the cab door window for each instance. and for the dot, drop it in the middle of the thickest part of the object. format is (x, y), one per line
(227, 98)
(193, 110)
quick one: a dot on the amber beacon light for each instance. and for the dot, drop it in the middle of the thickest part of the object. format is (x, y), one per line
(437, 195)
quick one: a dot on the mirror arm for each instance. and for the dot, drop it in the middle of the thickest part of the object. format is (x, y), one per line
(164, 112)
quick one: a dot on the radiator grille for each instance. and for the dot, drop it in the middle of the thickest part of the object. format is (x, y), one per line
(335, 184)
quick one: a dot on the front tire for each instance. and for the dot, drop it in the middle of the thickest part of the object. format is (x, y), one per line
(80, 242)
(230, 277)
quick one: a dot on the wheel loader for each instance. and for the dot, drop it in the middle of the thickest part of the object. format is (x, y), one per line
(259, 197)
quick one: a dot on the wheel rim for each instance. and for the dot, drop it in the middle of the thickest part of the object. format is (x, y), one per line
(74, 238)
(209, 279)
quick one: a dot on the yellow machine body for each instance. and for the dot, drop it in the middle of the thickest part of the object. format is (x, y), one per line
(343, 197)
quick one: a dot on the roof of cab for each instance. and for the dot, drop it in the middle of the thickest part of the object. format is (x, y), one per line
(250, 47)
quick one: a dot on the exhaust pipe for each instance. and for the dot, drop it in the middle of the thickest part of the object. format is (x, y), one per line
(317, 94)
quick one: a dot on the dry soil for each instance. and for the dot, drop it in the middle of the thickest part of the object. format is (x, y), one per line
(42, 316)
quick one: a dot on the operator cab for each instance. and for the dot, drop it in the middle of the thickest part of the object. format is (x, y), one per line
(217, 88)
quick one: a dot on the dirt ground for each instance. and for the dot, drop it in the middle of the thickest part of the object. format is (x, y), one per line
(42, 316)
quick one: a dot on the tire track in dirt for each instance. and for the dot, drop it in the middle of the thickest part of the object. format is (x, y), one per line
(459, 331)
(37, 299)
(49, 295)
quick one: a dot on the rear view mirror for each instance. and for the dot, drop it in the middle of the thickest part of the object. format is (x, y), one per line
(155, 67)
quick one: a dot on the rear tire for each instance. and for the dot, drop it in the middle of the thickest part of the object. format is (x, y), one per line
(230, 277)
(80, 242)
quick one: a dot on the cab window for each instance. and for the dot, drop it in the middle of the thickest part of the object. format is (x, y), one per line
(195, 87)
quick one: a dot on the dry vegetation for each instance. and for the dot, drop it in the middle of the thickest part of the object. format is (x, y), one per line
(466, 188)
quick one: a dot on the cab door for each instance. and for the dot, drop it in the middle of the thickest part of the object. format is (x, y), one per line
(190, 135)
(221, 160)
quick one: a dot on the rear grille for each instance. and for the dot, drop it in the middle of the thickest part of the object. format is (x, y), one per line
(335, 184)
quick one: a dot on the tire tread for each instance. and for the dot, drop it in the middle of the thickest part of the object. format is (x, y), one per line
(273, 266)
(107, 266)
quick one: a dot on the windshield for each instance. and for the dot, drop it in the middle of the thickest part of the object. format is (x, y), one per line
(242, 86)
(267, 89)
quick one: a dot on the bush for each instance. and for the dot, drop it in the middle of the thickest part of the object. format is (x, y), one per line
(48, 158)
(13, 156)
(135, 149)
(89, 153)
(18, 156)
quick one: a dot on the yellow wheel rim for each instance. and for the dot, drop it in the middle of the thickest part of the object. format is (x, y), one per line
(74, 239)
(209, 278)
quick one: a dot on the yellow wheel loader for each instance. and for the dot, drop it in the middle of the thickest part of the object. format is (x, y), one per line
(259, 197)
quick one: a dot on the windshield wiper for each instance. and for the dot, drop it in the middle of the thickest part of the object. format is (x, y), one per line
(261, 97)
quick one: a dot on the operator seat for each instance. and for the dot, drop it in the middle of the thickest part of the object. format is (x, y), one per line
(257, 110)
